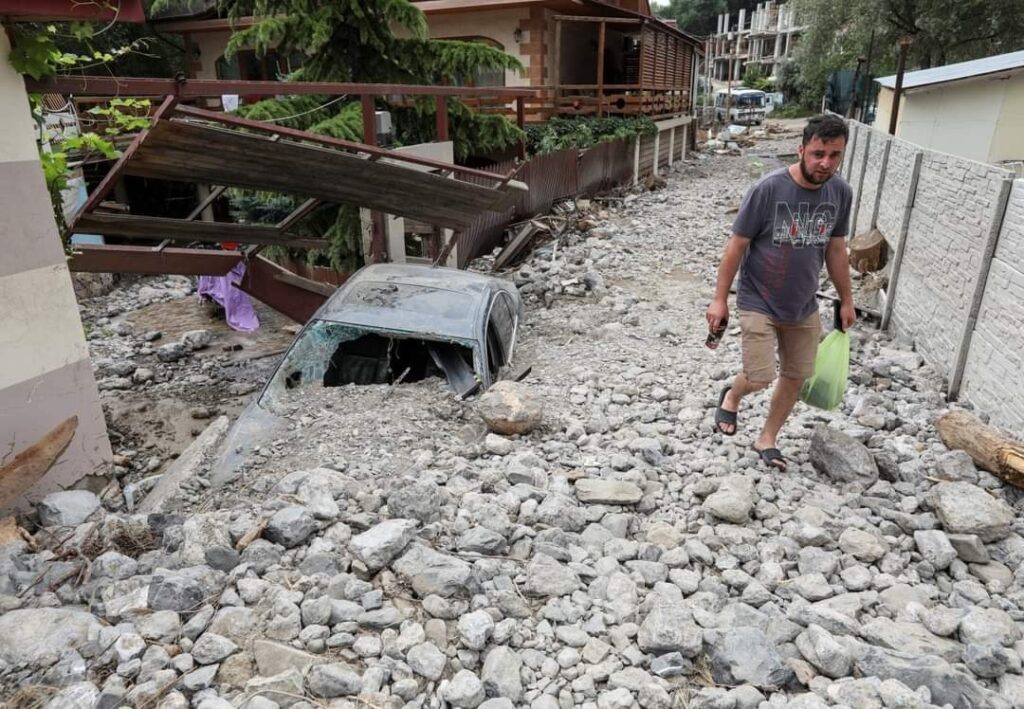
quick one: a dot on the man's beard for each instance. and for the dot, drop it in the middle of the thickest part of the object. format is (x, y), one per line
(809, 176)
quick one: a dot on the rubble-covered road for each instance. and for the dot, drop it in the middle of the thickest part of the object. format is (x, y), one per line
(388, 551)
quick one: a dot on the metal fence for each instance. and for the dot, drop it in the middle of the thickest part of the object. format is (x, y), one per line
(550, 177)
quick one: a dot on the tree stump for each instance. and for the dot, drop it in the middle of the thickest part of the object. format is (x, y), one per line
(868, 251)
(989, 449)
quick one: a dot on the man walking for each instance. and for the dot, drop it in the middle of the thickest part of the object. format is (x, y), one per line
(790, 221)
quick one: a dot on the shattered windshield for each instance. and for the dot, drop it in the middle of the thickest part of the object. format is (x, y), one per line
(332, 354)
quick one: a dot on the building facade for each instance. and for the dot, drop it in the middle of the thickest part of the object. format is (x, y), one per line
(763, 38)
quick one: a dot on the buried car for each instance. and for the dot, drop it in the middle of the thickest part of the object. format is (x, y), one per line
(388, 323)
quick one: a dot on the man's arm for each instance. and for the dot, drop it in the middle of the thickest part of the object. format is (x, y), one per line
(838, 264)
(735, 248)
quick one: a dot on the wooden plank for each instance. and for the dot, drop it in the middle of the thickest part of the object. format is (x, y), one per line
(601, 34)
(300, 213)
(207, 201)
(312, 286)
(30, 465)
(132, 226)
(109, 258)
(610, 20)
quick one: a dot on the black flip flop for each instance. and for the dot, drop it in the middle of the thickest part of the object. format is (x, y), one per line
(770, 455)
(724, 416)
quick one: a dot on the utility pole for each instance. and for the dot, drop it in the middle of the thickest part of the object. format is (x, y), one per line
(851, 107)
(905, 42)
(867, 77)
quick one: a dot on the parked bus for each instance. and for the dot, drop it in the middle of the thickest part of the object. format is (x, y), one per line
(746, 106)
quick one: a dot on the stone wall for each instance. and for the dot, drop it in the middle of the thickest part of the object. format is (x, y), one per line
(956, 263)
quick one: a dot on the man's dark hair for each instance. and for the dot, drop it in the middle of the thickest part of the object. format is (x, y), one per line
(826, 126)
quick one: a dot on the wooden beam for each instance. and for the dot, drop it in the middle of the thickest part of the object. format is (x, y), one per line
(309, 284)
(610, 20)
(133, 226)
(989, 449)
(558, 61)
(300, 213)
(95, 258)
(442, 117)
(369, 120)
(521, 147)
(207, 201)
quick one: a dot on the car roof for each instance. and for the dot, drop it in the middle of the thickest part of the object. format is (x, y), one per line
(433, 300)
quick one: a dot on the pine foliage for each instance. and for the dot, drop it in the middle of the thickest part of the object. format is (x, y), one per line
(367, 41)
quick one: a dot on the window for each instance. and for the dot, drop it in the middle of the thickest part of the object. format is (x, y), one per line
(484, 77)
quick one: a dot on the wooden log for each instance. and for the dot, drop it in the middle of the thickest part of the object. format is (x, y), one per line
(868, 251)
(988, 448)
(28, 467)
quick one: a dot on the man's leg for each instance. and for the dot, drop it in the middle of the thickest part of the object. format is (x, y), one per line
(798, 345)
(757, 343)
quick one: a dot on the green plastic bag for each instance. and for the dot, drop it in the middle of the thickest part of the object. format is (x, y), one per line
(825, 389)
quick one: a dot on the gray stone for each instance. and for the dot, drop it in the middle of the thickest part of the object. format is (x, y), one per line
(607, 492)
(211, 648)
(464, 690)
(967, 509)
(286, 688)
(80, 695)
(386, 617)
(969, 548)
(334, 680)
(989, 626)
(670, 628)
(379, 545)
(841, 458)
(274, 658)
(828, 656)
(546, 577)
(732, 501)
(740, 655)
(290, 526)
(114, 565)
(481, 540)
(946, 684)
(32, 634)
(935, 548)
(862, 544)
(223, 558)
(475, 629)
(197, 339)
(956, 466)
(426, 660)
(182, 590)
(67, 508)
(172, 351)
(161, 626)
(813, 587)
(988, 661)
(557, 510)
(237, 624)
(511, 408)
(200, 679)
(909, 637)
(420, 500)
(431, 572)
(500, 674)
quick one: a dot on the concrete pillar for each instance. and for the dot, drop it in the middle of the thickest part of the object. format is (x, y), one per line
(46, 377)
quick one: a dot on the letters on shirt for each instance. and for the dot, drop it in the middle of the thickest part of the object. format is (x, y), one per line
(803, 228)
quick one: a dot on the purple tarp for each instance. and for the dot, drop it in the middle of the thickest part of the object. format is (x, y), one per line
(238, 310)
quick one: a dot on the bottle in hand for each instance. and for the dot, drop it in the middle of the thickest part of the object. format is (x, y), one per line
(715, 336)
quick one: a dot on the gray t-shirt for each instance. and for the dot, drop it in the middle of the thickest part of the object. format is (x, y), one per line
(789, 227)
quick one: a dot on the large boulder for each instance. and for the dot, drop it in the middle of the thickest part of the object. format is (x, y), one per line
(844, 459)
(31, 634)
(511, 408)
(67, 508)
(964, 508)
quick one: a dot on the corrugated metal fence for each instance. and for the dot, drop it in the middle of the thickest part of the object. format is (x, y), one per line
(551, 177)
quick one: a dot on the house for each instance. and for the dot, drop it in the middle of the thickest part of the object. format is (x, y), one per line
(764, 39)
(586, 57)
(972, 109)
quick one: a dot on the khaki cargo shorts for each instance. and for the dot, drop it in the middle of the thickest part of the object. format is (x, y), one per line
(797, 345)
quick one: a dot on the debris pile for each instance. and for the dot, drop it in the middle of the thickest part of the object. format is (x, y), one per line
(401, 553)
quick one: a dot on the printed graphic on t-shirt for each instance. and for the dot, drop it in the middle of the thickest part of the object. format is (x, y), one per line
(805, 226)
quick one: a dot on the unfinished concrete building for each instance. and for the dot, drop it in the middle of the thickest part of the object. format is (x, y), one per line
(762, 38)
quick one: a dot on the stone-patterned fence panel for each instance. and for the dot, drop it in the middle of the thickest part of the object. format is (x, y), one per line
(956, 281)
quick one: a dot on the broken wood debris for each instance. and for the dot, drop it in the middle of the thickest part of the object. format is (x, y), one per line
(28, 467)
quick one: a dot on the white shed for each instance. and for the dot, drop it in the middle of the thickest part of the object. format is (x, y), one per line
(972, 109)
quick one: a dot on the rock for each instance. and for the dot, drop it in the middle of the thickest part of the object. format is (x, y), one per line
(935, 548)
(989, 626)
(197, 339)
(464, 690)
(740, 655)
(286, 688)
(211, 648)
(32, 634)
(497, 445)
(500, 674)
(546, 577)
(824, 652)
(560, 511)
(733, 500)
(426, 660)
(274, 658)
(863, 545)
(68, 508)
(841, 458)
(182, 590)
(989, 661)
(379, 545)
(969, 548)
(290, 526)
(946, 684)
(909, 637)
(481, 540)
(172, 351)
(475, 629)
(510, 408)
(670, 628)
(967, 509)
(200, 679)
(334, 680)
(956, 466)
(80, 695)
(419, 500)
(160, 626)
(607, 492)
(431, 572)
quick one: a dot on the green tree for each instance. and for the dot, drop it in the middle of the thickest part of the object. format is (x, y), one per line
(699, 17)
(943, 32)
